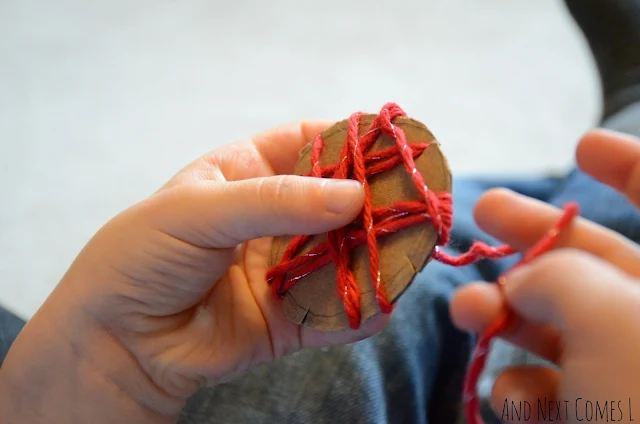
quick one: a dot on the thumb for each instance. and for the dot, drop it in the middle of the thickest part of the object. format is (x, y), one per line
(225, 214)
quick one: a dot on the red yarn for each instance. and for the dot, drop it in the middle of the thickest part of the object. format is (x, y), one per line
(358, 163)
(502, 324)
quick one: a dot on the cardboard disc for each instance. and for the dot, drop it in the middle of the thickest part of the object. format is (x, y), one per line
(314, 301)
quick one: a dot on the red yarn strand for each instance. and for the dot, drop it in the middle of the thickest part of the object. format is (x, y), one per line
(502, 324)
(357, 162)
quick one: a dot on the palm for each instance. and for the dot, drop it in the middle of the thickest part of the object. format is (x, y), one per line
(222, 319)
(248, 319)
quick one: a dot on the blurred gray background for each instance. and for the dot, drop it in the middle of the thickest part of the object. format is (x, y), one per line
(101, 102)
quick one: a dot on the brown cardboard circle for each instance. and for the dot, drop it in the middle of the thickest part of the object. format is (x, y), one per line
(313, 301)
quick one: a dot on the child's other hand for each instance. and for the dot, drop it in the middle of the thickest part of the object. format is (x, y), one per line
(578, 307)
(175, 285)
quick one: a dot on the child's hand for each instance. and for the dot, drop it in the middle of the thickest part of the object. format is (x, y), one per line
(579, 307)
(170, 295)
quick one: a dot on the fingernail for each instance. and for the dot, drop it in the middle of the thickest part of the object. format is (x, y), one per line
(341, 195)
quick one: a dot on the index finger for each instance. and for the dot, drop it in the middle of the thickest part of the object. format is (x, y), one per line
(280, 147)
(521, 222)
(272, 152)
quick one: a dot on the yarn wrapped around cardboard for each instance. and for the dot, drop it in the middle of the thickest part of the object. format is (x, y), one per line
(314, 301)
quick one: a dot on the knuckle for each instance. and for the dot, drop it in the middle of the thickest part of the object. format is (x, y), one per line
(555, 265)
(563, 259)
(263, 195)
(281, 189)
(282, 186)
(275, 194)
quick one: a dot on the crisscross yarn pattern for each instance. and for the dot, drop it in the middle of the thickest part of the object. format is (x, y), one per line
(359, 162)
